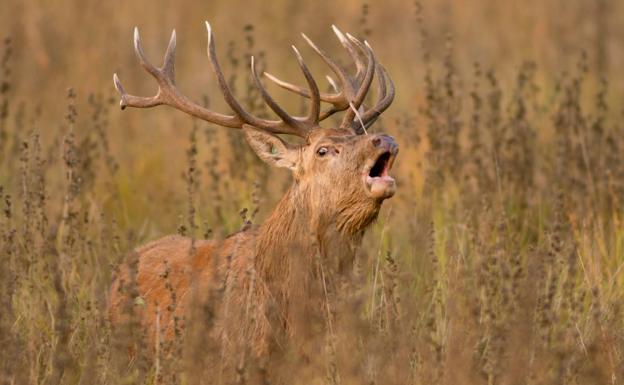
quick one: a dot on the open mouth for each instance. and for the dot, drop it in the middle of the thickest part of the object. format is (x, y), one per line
(381, 166)
(381, 185)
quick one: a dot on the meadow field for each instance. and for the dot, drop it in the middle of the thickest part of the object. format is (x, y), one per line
(500, 260)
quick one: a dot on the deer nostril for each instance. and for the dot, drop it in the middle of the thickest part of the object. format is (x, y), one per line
(376, 141)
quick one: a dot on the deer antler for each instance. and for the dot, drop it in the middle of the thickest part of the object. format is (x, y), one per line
(353, 91)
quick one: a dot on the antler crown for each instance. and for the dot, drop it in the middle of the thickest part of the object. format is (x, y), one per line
(350, 90)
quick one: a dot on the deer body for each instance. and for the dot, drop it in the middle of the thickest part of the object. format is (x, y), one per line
(340, 179)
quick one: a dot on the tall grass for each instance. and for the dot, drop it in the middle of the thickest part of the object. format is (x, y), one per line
(500, 260)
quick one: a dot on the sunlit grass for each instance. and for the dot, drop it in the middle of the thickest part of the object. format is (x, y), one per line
(499, 261)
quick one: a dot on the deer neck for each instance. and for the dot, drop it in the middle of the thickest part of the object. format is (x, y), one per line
(299, 236)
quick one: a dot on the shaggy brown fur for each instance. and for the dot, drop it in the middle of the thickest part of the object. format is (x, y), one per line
(271, 269)
(268, 274)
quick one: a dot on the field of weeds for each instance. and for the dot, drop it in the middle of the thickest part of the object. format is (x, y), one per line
(500, 260)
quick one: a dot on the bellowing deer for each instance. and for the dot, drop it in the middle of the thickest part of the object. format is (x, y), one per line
(340, 179)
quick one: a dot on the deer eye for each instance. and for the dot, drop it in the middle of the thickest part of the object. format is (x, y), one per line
(322, 151)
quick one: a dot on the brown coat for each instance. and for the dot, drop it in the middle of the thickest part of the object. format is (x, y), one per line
(269, 275)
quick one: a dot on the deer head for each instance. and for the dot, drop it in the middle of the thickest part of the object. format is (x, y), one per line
(340, 171)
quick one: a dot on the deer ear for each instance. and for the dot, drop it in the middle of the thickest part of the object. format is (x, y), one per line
(270, 148)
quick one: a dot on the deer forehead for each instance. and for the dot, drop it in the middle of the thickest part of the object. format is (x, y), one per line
(335, 136)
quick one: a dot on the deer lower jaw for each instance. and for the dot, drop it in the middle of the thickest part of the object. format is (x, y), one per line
(379, 184)
(380, 187)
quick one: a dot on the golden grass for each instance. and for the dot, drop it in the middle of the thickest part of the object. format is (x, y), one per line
(500, 260)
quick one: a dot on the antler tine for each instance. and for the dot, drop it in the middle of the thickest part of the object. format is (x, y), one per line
(223, 86)
(351, 92)
(360, 124)
(340, 72)
(287, 86)
(159, 75)
(385, 98)
(332, 83)
(344, 94)
(359, 64)
(366, 81)
(335, 99)
(325, 97)
(138, 50)
(131, 100)
(168, 66)
(348, 97)
(167, 93)
(338, 99)
(315, 99)
(288, 124)
(270, 101)
(327, 113)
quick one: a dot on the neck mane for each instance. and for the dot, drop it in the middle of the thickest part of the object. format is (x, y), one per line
(299, 239)
(298, 251)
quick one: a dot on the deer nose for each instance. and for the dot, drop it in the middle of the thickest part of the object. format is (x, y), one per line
(384, 141)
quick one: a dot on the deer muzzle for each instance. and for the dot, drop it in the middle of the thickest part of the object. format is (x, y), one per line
(378, 182)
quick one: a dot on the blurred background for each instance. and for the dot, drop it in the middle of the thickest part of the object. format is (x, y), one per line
(500, 259)
(56, 45)
(81, 43)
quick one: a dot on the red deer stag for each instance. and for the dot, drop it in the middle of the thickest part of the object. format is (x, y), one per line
(340, 181)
